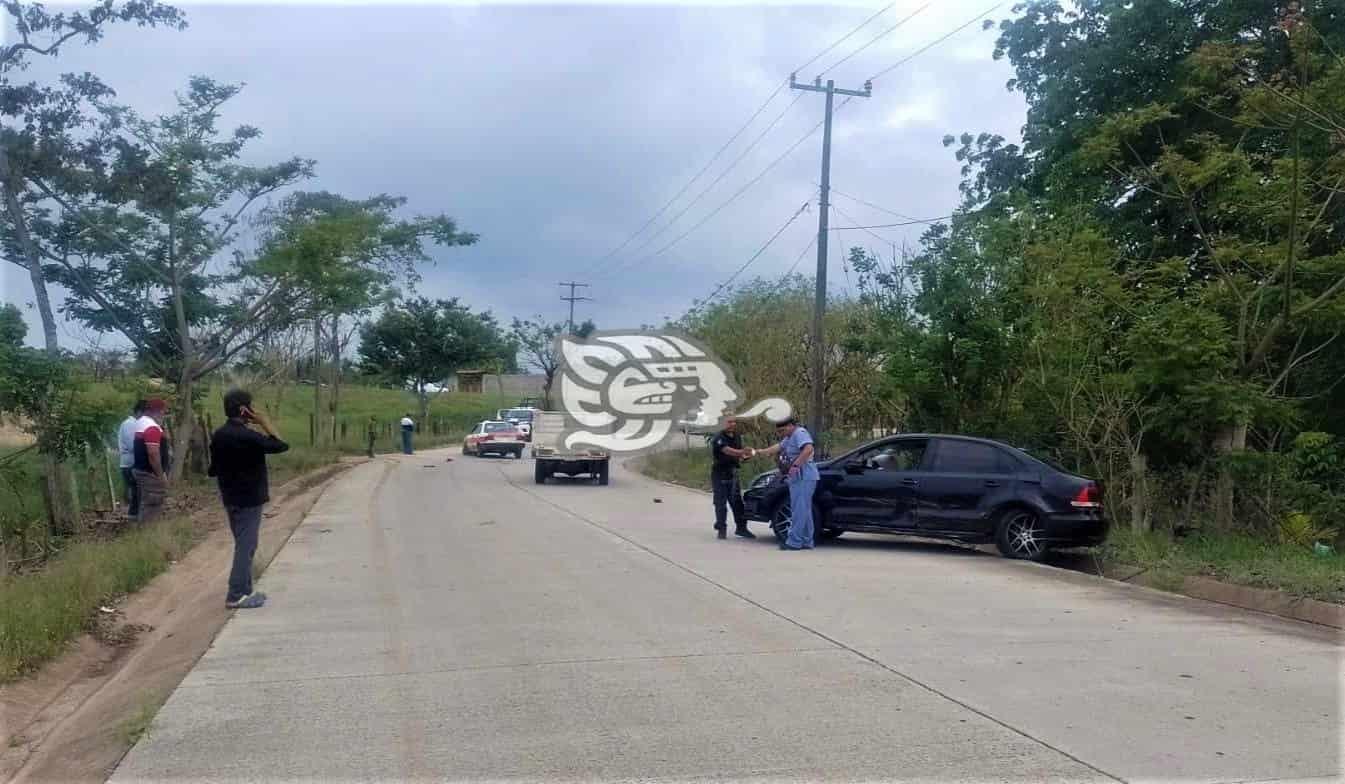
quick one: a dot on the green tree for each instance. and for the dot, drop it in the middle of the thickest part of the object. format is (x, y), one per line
(536, 341)
(344, 255)
(37, 123)
(421, 342)
(148, 231)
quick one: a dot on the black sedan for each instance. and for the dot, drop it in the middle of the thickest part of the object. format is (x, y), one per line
(944, 487)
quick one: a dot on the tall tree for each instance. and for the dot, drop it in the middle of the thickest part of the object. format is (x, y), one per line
(145, 239)
(421, 342)
(345, 254)
(536, 342)
(35, 121)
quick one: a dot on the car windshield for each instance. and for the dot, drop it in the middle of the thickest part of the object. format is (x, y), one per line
(521, 414)
(498, 427)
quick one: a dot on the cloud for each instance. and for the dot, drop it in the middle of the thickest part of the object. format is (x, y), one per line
(556, 132)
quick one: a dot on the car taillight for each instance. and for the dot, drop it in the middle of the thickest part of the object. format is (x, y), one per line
(1088, 497)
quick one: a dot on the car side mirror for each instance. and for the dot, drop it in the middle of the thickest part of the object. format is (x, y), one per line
(855, 467)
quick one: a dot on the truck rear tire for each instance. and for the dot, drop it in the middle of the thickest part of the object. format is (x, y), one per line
(602, 473)
(539, 472)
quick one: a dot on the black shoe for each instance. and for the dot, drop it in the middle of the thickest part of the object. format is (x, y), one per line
(721, 533)
(744, 533)
(790, 549)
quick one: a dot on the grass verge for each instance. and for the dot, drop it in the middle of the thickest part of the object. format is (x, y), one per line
(692, 468)
(42, 611)
(1232, 558)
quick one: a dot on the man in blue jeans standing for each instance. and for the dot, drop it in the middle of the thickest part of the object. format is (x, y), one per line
(796, 461)
(408, 427)
(238, 461)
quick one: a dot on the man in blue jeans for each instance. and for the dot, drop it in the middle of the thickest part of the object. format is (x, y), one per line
(408, 427)
(796, 461)
(238, 461)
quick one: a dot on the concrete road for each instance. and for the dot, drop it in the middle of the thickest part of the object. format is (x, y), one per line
(454, 621)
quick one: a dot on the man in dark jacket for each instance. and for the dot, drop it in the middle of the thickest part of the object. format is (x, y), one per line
(726, 449)
(238, 461)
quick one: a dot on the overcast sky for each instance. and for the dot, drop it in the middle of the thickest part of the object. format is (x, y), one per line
(556, 132)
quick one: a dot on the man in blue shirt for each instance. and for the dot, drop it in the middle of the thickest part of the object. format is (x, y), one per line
(796, 461)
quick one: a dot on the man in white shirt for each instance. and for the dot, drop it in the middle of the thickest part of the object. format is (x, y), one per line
(408, 427)
(126, 458)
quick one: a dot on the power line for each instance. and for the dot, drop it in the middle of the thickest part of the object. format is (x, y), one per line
(728, 144)
(706, 191)
(850, 218)
(858, 200)
(877, 38)
(806, 248)
(935, 42)
(693, 180)
(845, 37)
(803, 208)
(920, 222)
(730, 199)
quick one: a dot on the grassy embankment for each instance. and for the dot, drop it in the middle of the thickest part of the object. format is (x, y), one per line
(1233, 558)
(43, 608)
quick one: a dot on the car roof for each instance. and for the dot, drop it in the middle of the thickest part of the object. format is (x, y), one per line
(948, 436)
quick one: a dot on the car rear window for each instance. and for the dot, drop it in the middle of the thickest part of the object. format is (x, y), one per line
(498, 427)
(970, 457)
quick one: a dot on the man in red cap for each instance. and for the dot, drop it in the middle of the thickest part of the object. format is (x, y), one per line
(151, 459)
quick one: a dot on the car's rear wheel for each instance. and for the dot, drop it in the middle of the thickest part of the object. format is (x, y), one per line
(1020, 535)
(539, 472)
(602, 474)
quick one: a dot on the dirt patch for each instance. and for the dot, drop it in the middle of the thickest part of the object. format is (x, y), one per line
(12, 434)
(68, 722)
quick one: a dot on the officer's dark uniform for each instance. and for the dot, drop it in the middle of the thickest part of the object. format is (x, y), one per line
(724, 480)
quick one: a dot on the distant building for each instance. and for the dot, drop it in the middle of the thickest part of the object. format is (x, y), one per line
(470, 380)
(518, 385)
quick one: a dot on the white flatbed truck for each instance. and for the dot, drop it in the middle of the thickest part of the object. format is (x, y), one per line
(552, 458)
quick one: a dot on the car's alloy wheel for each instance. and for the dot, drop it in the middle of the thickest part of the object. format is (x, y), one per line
(1021, 535)
(783, 517)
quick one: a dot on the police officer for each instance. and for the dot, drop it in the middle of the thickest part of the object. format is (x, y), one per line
(727, 452)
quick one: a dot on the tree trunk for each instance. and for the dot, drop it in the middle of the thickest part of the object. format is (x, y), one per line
(424, 402)
(546, 390)
(57, 472)
(317, 378)
(336, 372)
(1229, 440)
(1139, 493)
(184, 427)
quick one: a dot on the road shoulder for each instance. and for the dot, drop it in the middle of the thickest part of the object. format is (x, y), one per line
(74, 719)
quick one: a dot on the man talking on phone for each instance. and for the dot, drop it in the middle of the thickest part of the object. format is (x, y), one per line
(238, 453)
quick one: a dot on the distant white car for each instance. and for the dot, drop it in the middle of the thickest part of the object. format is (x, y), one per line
(519, 417)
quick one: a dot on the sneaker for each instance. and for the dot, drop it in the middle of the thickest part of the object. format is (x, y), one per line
(744, 533)
(251, 601)
(790, 549)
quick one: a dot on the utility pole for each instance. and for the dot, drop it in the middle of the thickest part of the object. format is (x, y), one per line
(573, 299)
(820, 298)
